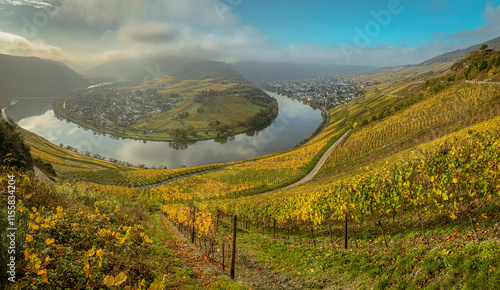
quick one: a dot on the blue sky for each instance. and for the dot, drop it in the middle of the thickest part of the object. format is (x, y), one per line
(365, 32)
(332, 22)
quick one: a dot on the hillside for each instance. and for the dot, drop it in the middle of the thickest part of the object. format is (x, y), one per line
(201, 100)
(31, 77)
(461, 53)
(138, 70)
(408, 200)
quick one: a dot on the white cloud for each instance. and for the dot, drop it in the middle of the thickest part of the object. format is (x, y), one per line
(147, 32)
(17, 45)
(97, 13)
(34, 3)
(489, 30)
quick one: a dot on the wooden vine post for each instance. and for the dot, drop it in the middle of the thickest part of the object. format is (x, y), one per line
(345, 231)
(193, 223)
(233, 257)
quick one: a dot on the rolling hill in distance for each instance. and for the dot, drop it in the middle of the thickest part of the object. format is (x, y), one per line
(258, 71)
(22, 77)
(461, 53)
(139, 69)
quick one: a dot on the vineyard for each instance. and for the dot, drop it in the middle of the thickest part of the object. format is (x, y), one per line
(409, 199)
(136, 178)
(407, 190)
(458, 180)
(458, 107)
(251, 177)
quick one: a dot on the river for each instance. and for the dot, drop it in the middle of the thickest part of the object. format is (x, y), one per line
(294, 123)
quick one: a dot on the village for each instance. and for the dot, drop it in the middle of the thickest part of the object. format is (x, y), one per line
(329, 91)
(123, 107)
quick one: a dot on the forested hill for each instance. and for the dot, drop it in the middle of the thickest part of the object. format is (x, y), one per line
(35, 77)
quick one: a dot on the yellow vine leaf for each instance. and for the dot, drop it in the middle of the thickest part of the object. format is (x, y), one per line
(109, 281)
(44, 278)
(120, 278)
(453, 216)
(49, 241)
(29, 238)
(99, 254)
(27, 252)
(86, 265)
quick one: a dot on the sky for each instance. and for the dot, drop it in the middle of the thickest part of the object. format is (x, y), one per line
(85, 33)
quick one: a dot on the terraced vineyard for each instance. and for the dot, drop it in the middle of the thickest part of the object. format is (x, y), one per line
(136, 178)
(460, 106)
(425, 176)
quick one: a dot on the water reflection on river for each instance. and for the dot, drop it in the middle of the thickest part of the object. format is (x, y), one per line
(295, 122)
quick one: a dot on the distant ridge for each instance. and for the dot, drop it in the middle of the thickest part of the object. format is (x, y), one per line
(258, 71)
(197, 70)
(35, 77)
(460, 53)
(140, 69)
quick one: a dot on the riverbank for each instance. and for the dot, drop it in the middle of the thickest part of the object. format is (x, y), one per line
(326, 119)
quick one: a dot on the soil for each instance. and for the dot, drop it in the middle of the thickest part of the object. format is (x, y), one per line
(248, 273)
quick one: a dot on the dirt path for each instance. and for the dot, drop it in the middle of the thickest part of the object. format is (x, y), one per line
(368, 109)
(320, 163)
(482, 83)
(347, 114)
(247, 273)
(4, 116)
(42, 176)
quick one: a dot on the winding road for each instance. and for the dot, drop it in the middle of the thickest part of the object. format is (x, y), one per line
(320, 163)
